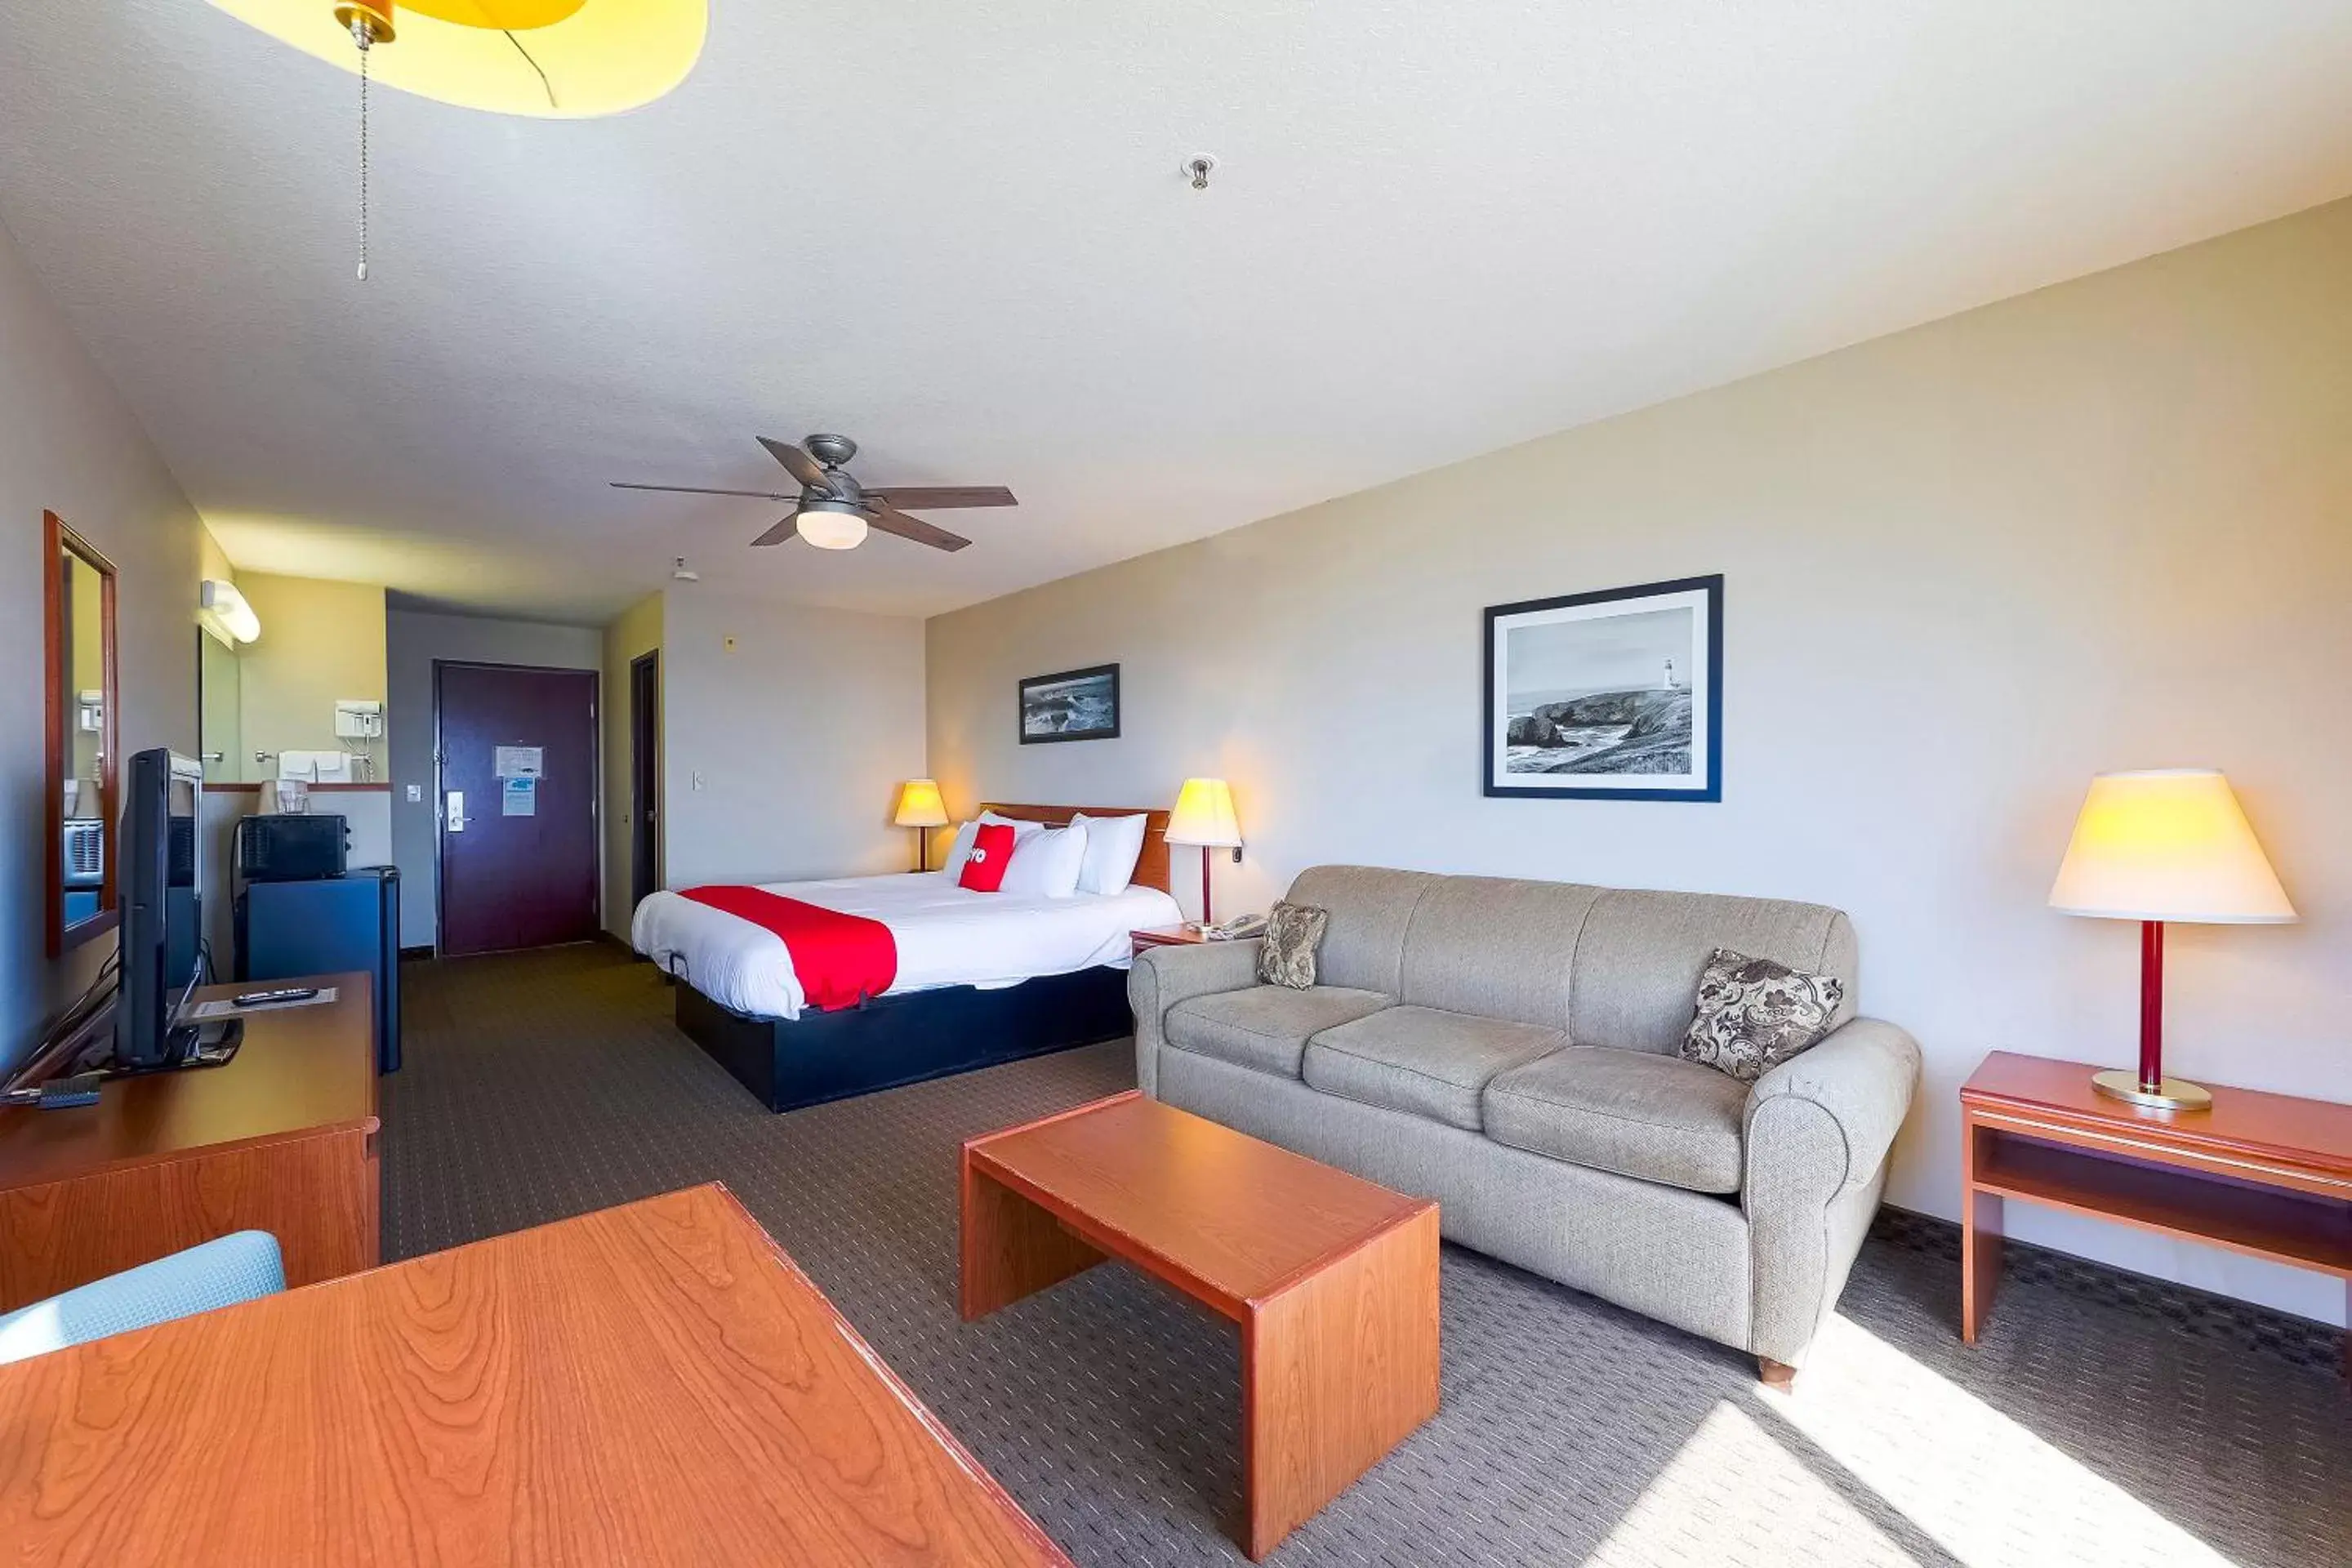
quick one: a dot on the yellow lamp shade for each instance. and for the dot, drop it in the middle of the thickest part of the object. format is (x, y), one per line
(1204, 815)
(585, 57)
(919, 805)
(2170, 845)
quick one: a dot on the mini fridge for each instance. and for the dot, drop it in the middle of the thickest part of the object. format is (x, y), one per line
(325, 926)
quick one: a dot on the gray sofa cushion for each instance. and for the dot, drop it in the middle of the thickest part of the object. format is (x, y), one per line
(1422, 1061)
(1264, 1027)
(1638, 961)
(1658, 1117)
(1495, 947)
(1363, 945)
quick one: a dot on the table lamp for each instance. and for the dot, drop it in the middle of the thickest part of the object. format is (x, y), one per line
(1205, 815)
(2166, 845)
(920, 808)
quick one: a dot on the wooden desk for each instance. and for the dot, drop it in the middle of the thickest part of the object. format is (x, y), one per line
(281, 1138)
(652, 1383)
(1331, 1279)
(2269, 1176)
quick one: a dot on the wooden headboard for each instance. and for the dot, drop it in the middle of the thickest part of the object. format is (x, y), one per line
(1151, 867)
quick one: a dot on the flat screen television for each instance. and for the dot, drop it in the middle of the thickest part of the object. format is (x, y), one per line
(161, 948)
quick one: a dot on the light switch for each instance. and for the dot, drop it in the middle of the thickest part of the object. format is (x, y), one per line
(731, 641)
(698, 779)
(415, 793)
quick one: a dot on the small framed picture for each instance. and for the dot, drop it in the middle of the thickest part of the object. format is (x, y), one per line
(1615, 695)
(1074, 705)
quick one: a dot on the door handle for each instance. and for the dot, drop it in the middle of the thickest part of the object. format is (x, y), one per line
(455, 820)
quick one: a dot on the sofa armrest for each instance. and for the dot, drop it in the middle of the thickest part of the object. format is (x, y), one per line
(1861, 1077)
(1163, 976)
(1817, 1130)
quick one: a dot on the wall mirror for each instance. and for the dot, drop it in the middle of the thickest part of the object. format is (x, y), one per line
(82, 703)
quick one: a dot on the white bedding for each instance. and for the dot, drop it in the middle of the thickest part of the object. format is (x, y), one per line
(946, 935)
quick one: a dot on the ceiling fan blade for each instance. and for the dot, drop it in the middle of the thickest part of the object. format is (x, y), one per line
(798, 463)
(905, 527)
(700, 490)
(923, 498)
(783, 532)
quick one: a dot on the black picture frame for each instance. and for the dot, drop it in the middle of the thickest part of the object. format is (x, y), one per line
(1034, 685)
(1704, 782)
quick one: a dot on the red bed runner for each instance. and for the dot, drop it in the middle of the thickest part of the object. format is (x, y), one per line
(841, 959)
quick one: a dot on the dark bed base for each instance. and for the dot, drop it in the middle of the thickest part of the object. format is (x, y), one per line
(904, 1040)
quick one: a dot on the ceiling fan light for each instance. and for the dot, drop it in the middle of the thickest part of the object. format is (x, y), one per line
(832, 525)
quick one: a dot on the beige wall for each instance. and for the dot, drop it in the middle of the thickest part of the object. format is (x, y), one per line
(799, 738)
(2107, 525)
(68, 445)
(414, 643)
(320, 641)
(636, 632)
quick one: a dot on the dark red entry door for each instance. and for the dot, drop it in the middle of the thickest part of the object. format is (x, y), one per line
(518, 806)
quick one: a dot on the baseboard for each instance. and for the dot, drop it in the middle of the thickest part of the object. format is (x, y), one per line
(2203, 1314)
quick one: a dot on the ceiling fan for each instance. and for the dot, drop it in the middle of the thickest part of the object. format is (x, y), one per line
(836, 509)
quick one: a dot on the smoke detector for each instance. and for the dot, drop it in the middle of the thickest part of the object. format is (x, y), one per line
(680, 573)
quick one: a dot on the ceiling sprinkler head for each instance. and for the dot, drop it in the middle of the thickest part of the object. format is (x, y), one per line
(682, 575)
(1198, 168)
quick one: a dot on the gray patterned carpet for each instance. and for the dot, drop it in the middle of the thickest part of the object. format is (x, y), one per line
(2091, 1428)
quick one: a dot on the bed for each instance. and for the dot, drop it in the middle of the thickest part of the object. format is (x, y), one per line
(980, 978)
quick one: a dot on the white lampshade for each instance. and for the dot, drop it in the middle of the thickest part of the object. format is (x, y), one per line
(1205, 815)
(2169, 845)
(832, 525)
(919, 805)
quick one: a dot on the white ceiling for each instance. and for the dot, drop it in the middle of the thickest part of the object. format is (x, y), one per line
(958, 233)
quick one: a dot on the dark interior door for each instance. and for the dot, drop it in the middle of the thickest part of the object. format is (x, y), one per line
(644, 775)
(518, 807)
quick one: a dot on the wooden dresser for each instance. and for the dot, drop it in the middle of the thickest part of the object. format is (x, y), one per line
(280, 1138)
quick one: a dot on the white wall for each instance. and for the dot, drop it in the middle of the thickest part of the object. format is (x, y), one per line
(781, 759)
(68, 445)
(2107, 525)
(413, 641)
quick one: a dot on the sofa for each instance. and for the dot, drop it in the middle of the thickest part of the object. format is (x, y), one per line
(1508, 1047)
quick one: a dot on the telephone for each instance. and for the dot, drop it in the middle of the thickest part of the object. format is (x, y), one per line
(1238, 928)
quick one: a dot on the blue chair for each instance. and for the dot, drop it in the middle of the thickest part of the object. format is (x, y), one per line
(218, 1273)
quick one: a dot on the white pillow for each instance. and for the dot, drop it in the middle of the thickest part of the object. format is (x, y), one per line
(1114, 844)
(1045, 864)
(960, 850)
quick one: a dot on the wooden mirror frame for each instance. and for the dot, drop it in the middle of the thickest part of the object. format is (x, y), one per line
(64, 541)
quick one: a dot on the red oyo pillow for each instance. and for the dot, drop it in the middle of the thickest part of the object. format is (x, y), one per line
(991, 852)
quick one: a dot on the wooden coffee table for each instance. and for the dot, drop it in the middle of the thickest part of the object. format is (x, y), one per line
(1333, 1280)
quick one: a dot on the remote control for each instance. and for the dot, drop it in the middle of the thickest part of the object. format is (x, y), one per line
(264, 998)
(81, 1088)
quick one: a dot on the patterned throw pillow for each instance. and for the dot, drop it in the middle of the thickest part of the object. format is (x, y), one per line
(1288, 956)
(1754, 1014)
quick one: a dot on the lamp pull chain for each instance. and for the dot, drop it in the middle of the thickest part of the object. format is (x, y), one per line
(362, 36)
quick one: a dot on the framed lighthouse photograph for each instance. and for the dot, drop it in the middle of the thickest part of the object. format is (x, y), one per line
(1613, 695)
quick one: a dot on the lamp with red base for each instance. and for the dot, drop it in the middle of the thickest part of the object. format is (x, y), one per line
(1205, 815)
(2167, 845)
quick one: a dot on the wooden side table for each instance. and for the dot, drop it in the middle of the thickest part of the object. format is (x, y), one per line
(2269, 1176)
(1163, 936)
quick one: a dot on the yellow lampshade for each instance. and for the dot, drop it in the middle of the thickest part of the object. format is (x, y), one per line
(562, 59)
(1204, 815)
(919, 804)
(2170, 845)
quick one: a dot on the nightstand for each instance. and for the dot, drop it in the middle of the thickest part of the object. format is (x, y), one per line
(2269, 1176)
(1163, 936)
